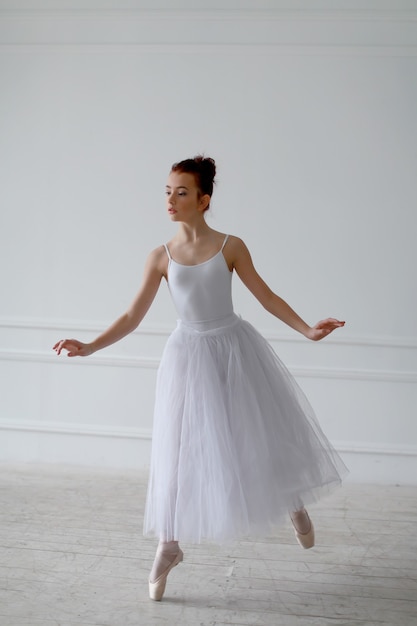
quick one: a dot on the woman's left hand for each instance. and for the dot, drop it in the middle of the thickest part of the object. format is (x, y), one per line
(323, 328)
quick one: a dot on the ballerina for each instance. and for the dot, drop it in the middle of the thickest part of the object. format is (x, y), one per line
(236, 445)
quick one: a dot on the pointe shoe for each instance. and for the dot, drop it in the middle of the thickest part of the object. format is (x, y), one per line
(306, 540)
(157, 587)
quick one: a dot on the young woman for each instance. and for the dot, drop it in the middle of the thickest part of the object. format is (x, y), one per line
(236, 444)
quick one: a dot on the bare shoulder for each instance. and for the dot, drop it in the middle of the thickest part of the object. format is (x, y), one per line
(157, 260)
(236, 243)
(236, 252)
(237, 246)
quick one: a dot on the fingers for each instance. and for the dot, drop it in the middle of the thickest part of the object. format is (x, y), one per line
(58, 346)
(71, 345)
(330, 322)
(325, 327)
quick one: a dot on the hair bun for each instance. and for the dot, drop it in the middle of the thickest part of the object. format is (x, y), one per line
(204, 170)
(206, 162)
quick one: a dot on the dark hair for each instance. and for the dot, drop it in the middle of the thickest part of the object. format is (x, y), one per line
(203, 169)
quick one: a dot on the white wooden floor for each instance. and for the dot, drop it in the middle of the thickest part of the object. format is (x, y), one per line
(72, 554)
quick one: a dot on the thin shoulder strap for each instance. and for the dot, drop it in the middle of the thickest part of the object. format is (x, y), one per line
(167, 251)
(224, 243)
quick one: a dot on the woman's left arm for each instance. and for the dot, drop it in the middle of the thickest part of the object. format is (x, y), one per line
(240, 259)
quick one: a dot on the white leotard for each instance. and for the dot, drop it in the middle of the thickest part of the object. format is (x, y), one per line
(202, 293)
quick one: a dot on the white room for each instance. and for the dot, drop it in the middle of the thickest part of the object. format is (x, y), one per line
(309, 109)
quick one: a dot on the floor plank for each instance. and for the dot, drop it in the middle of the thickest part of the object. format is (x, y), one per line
(72, 554)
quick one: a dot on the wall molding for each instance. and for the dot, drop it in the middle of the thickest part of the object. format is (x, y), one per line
(34, 356)
(69, 327)
(395, 51)
(310, 14)
(130, 448)
(215, 15)
(390, 376)
(324, 29)
(88, 430)
(95, 326)
(383, 449)
(76, 429)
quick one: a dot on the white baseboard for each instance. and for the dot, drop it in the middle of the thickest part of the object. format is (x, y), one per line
(129, 448)
(78, 445)
(384, 469)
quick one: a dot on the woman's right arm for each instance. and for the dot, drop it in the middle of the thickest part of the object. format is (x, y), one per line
(155, 269)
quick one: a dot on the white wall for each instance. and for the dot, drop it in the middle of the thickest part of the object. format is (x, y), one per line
(311, 115)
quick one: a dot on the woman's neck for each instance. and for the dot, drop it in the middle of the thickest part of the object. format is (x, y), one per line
(193, 232)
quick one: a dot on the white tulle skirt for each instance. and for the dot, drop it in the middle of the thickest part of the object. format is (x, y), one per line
(235, 444)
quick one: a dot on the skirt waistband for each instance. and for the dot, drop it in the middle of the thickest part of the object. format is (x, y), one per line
(210, 327)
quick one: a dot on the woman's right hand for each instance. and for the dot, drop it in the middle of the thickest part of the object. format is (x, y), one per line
(74, 347)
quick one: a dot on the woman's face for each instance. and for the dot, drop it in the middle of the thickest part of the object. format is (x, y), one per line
(184, 201)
